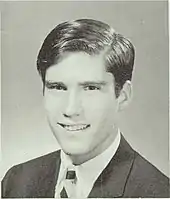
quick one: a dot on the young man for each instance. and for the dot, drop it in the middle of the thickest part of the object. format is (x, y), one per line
(86, 70)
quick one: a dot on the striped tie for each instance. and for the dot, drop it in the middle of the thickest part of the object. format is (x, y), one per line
(70, 177)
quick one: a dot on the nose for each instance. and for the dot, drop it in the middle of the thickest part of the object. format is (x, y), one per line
(73, 106)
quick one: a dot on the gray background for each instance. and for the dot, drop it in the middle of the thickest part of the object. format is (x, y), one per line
(25, 133)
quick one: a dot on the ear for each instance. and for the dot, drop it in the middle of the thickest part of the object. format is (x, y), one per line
(125, 95)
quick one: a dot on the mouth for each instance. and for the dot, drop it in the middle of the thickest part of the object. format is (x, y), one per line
(75, 127)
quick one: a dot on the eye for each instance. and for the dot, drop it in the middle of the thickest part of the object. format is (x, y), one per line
(56, 86)
(91, 88)
(60, 87)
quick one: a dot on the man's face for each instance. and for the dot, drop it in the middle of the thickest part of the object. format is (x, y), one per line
(80, 103)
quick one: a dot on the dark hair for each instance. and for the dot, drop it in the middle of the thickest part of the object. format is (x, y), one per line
(92, 37)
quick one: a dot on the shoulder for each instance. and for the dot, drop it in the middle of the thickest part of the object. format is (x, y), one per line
(141, 162)
(147, 179)
(36, 163)
(28, 172)
(148, 170)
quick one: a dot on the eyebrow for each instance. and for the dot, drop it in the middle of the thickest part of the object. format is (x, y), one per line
(97, 83)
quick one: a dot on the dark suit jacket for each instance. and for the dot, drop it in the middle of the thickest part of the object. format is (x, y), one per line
(127, 175)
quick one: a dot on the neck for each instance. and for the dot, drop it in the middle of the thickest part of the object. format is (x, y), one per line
(80, 159)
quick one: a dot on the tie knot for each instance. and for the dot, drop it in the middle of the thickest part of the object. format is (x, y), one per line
(71, 175)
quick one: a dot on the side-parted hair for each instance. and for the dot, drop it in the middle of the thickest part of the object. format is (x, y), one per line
(91, 37)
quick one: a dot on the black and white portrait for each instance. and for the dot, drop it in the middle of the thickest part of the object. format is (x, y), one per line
(84, 99)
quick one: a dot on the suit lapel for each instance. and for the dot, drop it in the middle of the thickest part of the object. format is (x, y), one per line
(48, 176)
(111, 182)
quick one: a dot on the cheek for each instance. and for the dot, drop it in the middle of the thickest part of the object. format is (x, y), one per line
(100, 107)
(53, 104)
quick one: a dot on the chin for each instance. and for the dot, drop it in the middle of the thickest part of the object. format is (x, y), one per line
(74, 150)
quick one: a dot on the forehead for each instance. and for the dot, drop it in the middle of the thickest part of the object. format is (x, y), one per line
(79, 67)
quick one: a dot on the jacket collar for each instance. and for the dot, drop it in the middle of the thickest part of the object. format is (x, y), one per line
(112, 181)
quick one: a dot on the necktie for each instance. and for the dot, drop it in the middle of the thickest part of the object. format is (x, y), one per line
(63, 193)
(68, 188)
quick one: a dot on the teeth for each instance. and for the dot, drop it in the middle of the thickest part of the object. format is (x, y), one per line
(75, 127)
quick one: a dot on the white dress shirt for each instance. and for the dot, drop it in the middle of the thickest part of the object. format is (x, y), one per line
(86, 173)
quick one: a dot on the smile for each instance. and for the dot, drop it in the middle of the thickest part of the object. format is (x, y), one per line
(78, 127)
